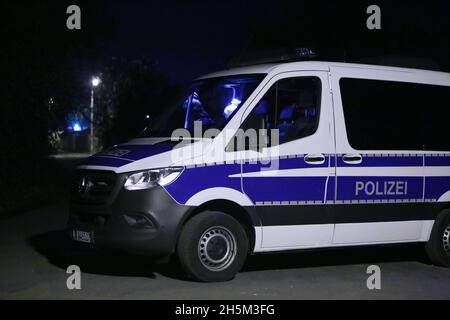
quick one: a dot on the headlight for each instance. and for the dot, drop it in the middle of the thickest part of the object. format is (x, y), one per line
(151, 178)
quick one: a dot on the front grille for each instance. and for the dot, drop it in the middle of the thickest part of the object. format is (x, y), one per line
(93, 186)
(96, 220)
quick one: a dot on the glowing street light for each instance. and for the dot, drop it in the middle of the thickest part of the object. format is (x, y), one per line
(95, 82)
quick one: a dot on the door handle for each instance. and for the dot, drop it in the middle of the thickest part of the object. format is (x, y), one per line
(314, 158)
(352, 158)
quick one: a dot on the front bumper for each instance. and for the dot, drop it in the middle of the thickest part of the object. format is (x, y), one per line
(111, 227)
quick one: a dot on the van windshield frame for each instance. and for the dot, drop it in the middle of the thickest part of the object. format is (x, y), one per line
(211, 101)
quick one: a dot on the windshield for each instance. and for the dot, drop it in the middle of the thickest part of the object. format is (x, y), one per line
(210, 101)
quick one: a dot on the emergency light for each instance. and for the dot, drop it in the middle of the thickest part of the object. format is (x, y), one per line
(275, 56)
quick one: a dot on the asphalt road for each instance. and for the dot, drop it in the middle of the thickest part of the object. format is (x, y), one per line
(35, 253)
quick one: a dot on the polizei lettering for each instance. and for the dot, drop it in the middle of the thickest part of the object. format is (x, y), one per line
(381, 188)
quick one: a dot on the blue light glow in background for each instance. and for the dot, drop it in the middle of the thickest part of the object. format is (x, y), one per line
(76, 127)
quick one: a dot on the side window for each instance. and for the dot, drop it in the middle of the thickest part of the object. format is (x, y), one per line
(389, 115)
(291, 106)
(437, 118)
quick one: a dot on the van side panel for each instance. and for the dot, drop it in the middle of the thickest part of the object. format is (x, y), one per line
(391, 194)
(363, 233)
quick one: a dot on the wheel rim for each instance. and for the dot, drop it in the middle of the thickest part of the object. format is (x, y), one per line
(217, 248)
(446, 239)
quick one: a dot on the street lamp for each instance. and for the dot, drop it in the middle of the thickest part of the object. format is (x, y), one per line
(94, 82)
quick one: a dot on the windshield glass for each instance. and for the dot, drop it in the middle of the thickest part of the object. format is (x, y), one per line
(211, 101)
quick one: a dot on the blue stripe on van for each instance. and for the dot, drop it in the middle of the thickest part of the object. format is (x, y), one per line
(260, 189)
(437, 161)
(285, 189)
(385, 161)
(312, 189)
(105, 161)
(435, 187)
(194, 180)
(331, 187)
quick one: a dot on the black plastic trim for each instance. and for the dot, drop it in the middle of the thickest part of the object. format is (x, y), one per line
(155, 204)
(347, 213)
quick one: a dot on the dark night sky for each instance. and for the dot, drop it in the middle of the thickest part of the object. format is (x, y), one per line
(186, 38)
(190, 38)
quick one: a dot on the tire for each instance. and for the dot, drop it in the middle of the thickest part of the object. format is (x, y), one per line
(212, 247)
(438, 247)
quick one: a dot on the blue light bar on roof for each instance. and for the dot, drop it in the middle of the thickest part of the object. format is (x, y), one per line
(305, 53)
(274, 56)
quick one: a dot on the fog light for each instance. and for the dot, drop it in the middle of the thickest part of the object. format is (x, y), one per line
(138, 221)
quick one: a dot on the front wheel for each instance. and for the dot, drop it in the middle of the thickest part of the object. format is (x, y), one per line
(438, 246)
(212, 247)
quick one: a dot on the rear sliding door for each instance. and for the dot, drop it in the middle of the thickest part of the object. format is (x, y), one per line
(380, 157)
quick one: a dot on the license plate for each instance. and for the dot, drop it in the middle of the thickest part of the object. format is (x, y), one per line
(83, 236)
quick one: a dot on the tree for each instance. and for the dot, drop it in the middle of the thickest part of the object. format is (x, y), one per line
(130, 92)
(42, 62)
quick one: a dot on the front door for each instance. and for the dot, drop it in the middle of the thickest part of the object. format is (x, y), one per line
(291, 181)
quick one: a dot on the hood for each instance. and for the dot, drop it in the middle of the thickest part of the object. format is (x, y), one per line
(121, 155)
(134, 155)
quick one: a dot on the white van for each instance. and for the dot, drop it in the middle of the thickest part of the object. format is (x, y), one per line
(343, 155)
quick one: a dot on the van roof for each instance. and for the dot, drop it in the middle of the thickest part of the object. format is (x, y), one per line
(310, 66)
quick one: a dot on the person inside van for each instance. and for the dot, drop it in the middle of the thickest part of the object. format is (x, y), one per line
(297, 119)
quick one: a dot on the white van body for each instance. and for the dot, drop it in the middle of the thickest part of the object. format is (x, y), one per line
(337, 186)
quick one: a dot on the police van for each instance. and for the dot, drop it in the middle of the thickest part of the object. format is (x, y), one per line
(276, 157)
